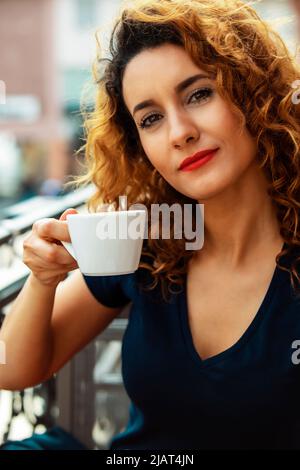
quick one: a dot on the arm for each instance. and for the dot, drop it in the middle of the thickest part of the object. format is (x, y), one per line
(46, 327)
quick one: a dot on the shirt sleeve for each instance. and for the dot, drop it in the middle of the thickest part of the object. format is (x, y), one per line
(107, 290)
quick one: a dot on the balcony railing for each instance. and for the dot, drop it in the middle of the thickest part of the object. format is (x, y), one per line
(87, 396)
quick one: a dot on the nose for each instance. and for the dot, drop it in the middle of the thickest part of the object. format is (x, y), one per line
(182, 130)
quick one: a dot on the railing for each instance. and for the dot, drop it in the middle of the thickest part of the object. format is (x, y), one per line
(87, 396)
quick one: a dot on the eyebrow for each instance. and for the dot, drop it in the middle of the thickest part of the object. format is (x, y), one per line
(179, 88)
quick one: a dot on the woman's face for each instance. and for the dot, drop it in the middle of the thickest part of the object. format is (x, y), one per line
(178, 121)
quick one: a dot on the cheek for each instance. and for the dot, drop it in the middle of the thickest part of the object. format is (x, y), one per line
(234, 136)
(224, 122)
(153, 149)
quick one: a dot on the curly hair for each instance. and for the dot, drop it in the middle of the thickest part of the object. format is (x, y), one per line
(254, 73)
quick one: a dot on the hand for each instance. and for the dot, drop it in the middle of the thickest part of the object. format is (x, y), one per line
(44, 253)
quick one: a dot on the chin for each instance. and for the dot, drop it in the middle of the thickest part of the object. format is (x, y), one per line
(202, 196)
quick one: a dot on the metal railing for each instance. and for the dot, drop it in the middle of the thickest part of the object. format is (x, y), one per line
(14, 226)
(86, 397)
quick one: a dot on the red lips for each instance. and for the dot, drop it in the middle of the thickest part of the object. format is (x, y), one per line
(196, 156)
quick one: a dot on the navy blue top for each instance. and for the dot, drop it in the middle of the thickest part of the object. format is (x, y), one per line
(247, 396)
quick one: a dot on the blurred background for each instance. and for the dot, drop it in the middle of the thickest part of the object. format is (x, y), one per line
(47, 48)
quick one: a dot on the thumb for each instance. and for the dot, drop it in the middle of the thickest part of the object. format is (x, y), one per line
(66, 212)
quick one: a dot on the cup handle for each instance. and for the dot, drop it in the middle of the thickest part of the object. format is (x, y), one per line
(69, 247)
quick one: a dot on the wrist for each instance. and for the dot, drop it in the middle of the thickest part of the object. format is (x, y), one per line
(44, 286)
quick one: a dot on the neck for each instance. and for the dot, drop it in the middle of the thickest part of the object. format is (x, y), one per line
(241, 222)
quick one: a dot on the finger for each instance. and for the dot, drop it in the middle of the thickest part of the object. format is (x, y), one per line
(52, 229)
(44, 267)
(40, 265)
(63, 217)
(66, 212)
(51, 254)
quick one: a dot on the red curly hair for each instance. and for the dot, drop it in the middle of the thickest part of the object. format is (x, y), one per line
(254, 73)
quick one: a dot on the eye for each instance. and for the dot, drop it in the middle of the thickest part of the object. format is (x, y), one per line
(202, 94)
(143, 125)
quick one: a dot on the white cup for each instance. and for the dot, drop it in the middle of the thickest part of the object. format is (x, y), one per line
(107, 243)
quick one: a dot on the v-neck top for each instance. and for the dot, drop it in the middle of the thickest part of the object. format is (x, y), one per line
(246, 397)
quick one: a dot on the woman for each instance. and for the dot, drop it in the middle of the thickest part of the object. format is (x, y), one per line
(210, 365)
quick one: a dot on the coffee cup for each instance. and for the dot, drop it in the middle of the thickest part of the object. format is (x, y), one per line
(107, 243)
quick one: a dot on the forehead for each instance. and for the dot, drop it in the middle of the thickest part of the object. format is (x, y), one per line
(156, 70)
